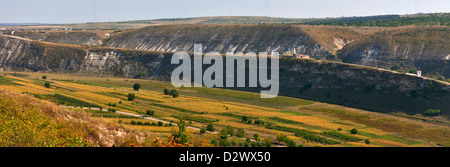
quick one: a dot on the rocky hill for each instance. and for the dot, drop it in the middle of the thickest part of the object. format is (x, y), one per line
(64, 37)
(403, 49)
(333, 82)
(233, 38)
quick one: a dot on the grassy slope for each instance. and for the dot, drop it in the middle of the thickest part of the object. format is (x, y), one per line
(226, 107)
(27, 122)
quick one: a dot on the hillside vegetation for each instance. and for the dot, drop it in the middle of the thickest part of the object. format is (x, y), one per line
(236, 116)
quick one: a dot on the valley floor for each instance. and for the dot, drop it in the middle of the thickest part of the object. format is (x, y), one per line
(307, 123)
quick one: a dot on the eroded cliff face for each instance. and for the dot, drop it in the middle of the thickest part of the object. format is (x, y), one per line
(26, 55)
(423, 48)
(332, 82)
(221, 38)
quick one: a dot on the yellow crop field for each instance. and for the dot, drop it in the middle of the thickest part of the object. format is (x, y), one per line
(201, 107)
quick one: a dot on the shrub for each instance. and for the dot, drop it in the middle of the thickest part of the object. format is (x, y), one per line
(136, 86)
(44, 77)
(245, 119)
(354, 131)
(174, 93)
(181, 135)
(166, 91)
(240, 133)
(284, 139)
(160, 123)
(432, 113)
(214, 142)
(259, 122)
(133, 122)
(340, 136)
(316, 138)
(150, 112)
(210, 127)
(131, 96)
(230, 130)
(257, 137)
(281, 137)
(223, 134)
(267, 142)
(367, 141)
(339, 129)
(202, 131)
(47, 84)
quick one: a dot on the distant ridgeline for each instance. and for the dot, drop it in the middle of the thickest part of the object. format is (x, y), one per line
(442, 19)
(331, 82)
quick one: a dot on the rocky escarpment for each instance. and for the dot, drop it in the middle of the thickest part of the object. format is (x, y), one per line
(221, 38)
(26, 55)
(64, 37)
(403, 49)
(333, 82)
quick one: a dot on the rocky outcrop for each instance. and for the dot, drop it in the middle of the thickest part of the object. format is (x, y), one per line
(221, 38)
(403, 49)
(332, 82)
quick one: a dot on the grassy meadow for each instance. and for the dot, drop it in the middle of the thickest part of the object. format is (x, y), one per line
(306, 123)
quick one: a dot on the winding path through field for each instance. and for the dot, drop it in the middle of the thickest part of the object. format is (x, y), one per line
(135, 115)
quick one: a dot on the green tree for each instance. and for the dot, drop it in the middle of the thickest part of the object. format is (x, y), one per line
(245, 119)
(44, 77)
(174, 93)
(181, 136)
(367, 141)
(223, 134)
(166, 91)
(150, 112)
(47, 84)
(354, 131)
(267, 142)
(136, 86)
(230, 130)
(240, 133)
(210, 127)
(257, 137)
(160, 123)
(131, 96)
(202, 130)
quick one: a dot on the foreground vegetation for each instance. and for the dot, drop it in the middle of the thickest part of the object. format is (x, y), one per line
(196, 117)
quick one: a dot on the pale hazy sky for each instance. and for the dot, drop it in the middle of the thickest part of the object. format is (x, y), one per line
(77, 11)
